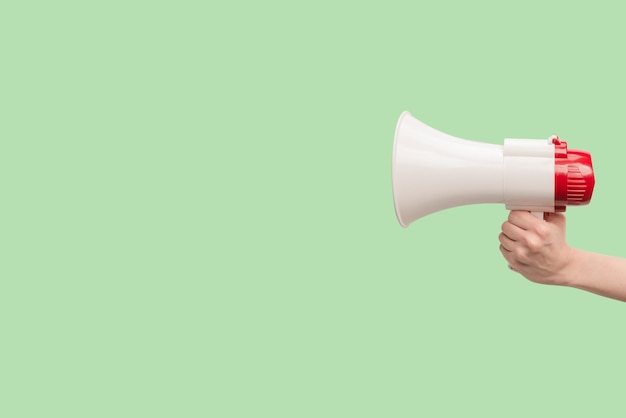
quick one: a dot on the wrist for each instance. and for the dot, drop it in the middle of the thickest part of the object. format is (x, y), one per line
(570, 272)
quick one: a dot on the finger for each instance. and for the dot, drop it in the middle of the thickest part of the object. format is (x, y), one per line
(511, 262)
(506, 243)
(508, 256)
(523, 219)
(514, 232)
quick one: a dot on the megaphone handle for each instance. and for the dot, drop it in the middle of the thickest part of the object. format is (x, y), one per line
(538, 215)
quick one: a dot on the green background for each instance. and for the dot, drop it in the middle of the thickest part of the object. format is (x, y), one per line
(197, 217)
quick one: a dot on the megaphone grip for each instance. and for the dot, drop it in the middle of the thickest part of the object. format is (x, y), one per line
(539, 215)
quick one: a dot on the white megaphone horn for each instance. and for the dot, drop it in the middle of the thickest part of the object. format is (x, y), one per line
(432, 171)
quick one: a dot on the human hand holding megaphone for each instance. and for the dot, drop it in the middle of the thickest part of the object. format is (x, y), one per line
(433, 171)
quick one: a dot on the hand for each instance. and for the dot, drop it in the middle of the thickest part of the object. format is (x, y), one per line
(537, 248)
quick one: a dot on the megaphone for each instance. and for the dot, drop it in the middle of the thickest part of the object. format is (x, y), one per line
(433, 171)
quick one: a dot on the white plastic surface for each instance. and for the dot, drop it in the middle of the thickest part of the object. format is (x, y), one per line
(433, 171)
(529, 175)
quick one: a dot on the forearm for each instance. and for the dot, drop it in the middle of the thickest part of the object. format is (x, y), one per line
(598, 273)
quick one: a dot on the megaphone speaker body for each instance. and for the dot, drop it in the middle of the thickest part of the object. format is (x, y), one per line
(433, 171)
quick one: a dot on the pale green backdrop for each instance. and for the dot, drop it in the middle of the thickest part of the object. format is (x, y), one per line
(197, 216)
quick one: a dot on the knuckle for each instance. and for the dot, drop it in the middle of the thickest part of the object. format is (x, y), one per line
(542, 230)
(533, 244)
